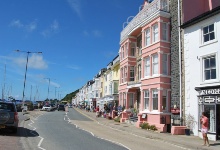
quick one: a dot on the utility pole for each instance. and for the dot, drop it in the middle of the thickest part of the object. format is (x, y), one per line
(3, 88)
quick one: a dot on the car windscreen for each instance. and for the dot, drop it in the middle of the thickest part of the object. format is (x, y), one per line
(61, 105)
(7, 107)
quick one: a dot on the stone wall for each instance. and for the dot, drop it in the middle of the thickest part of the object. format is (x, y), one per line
(175, 75)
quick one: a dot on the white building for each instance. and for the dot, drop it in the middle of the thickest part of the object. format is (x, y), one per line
(202, 71)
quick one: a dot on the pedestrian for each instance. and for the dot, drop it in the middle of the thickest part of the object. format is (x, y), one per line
(205, 123)
(97, 111)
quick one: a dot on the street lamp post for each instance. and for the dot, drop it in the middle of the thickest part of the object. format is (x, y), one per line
(25, 75)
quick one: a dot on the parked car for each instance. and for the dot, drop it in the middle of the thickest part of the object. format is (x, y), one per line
(8, 116)
(70, 106)
(61, 107)
(47, 108)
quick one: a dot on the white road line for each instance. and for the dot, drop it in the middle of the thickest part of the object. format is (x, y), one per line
(181, 147)
(120, 144)
(32, 132)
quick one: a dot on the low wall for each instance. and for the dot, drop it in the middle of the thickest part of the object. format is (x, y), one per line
(178, 130)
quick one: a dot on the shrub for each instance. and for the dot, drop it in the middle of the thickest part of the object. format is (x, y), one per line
(144, 125)
(117, 119)
(153, 127)
(148, 127)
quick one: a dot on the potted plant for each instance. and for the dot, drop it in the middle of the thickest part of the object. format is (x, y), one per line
(190, 123)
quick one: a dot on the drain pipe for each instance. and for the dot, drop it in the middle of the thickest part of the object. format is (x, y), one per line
(180, 62)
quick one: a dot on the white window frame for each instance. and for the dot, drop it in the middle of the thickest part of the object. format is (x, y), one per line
(203, 68)
(122, 75)
(110, 89)
(147, 37)
(208, 33)
(154, 93)
(165, 64)
(165, 31)
(139, 72)
(208, 23)
(122, 49)
(133, 49)
(147, 66)
(155, 64)
(155, 33)
(131, 100)
(124, 99)
(131, 69)
(125, 73)
(165, 94)
(126, 49)
(146, 99)
(106, 89)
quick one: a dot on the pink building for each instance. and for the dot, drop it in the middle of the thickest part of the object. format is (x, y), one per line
(144, 88)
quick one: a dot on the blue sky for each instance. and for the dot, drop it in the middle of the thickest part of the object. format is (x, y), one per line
(76, 37)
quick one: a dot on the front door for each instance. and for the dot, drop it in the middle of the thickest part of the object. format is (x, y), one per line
(218, 121)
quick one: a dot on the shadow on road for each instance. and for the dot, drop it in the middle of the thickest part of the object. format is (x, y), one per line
(22, 132)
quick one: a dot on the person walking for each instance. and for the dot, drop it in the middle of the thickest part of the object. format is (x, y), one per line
(97, 111)
(205, 123)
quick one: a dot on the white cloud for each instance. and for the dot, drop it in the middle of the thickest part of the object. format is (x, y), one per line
(97, 33)
(54, 28)
(73, 67)
(34, 61)
(94, 33)
(86, 33)
(32, 26)
(76, 6)
(55, 25)
(29, 27)
(16, 23)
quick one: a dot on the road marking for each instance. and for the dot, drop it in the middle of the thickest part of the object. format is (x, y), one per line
(117, 143)
(32, 132)
(181, 147)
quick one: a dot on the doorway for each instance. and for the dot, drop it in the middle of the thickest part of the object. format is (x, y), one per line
(218, 122)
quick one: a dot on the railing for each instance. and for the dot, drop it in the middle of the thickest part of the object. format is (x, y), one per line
(146, 12)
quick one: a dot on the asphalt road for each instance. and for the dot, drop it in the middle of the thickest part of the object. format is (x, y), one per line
(16, 141)
(53, 131)
(59, 130)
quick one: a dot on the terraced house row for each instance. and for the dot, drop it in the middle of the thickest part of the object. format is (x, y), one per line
(167, 69)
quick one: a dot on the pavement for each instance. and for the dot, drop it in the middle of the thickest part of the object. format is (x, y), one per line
(182, 141)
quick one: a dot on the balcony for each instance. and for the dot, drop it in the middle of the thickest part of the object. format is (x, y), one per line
(146, 13)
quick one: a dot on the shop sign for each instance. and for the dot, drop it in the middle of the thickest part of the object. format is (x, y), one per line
(209, 100)
(210, 92)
